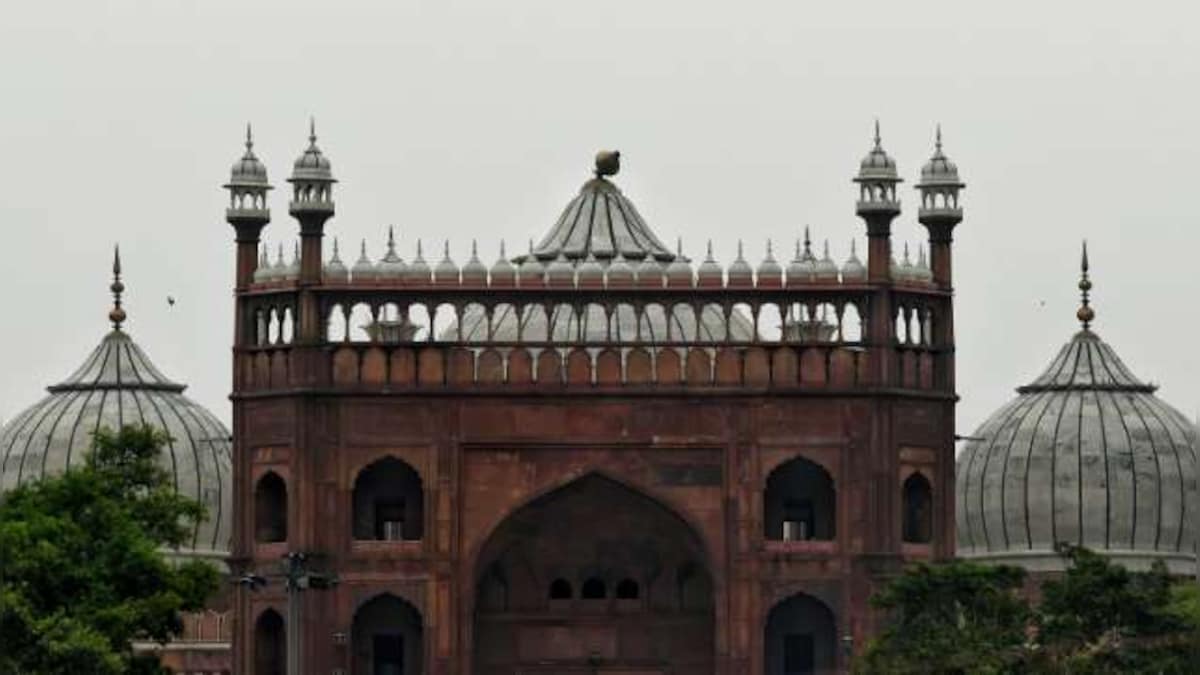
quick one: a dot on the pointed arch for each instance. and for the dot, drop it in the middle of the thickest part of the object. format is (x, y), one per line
(574, 553)
(800, 636)
(270, 509)
(800, 502)
(388, 502)
(387, 637)
(270, 644)
(917, 495)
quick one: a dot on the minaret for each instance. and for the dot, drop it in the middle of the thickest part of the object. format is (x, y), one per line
(247, 212)
(878, 205)
(940, 211)
(312, 204)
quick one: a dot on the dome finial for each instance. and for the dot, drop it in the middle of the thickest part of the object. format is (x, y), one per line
(1085, 314)
(878, 137)
(938, 142)
(312, 130)
(117, 314)
(249, 138)
(608, 163)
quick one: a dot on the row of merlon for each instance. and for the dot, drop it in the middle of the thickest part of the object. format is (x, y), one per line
(593, 272)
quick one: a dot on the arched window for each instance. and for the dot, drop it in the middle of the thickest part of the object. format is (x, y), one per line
(918, 510)
(386, 637)
(800, 503)
(627, 589)
(801, 637)
(593, 589)
(388, 502)
(560, 589)
(270, 509)
(269, 642)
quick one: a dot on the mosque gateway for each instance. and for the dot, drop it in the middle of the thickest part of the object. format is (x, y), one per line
(596, 455)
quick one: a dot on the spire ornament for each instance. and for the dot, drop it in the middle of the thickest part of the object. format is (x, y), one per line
(116, 314)
(1085, 314)
(608, 163)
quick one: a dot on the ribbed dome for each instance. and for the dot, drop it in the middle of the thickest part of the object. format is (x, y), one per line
(248, 171)
(939, 170)
(115, 386)
(1085, 454)
(877, 164)
(598, 222)
(600, 229)
(312, 165)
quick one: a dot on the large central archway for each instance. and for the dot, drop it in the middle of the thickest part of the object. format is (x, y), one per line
(594, 575)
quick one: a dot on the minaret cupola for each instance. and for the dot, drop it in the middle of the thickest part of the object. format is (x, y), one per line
(312, 181)
(247, 211)
(940, 210)
(939, 184)
(877, 180)
(248, 184)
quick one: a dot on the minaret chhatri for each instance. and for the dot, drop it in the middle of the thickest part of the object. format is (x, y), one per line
(878, 205)
(940, 211)
(247, 212)
(312, 204)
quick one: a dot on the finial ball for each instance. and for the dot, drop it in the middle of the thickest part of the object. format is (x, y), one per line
(117, 316)
(1085, 314)
(608, 162)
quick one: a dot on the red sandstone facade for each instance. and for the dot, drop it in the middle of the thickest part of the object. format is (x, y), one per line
(547, 506)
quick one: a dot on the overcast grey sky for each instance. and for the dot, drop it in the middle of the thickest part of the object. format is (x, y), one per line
(119, 121)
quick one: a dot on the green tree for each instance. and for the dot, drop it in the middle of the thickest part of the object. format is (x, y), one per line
(954, 617)
(1185, 603)
(82, 570)
(1100, 617)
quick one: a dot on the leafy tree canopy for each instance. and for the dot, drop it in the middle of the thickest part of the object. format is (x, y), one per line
(1102, 618)
(956, 617)
(82, 573)
(1097, 617)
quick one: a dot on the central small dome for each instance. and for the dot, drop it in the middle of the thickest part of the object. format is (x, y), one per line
(601, 228)
(599, 222)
